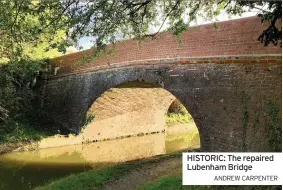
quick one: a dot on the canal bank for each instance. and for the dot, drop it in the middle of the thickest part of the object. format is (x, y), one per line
(28, 169)
(128, 175)
(32, 164)
(155, 173)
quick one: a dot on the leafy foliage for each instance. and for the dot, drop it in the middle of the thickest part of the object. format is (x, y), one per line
(21, 32)
(23, 50)
(16, 81)
(62, 23)
(272, 34)
(177, 113)
(13, 132)
(173, 119)
(17, 101)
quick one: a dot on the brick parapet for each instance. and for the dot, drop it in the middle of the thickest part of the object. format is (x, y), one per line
(202, 44)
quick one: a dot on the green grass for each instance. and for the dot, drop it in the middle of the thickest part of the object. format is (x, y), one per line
(86, 180)
(175, 183)
(177, 113)
(14, 132)
(95, 179)
(165, 183)
(174, 118)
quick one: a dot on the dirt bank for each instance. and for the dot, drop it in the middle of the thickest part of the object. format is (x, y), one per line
(127, 175)
(148, 172)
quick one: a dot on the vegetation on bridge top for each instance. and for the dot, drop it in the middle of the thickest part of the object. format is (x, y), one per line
(49, 25)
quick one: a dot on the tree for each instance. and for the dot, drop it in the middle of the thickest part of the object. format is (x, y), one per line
(25, 21)
(273, 13)
(23, 48)
(21, 35)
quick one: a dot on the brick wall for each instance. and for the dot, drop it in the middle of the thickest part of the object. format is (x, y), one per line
(234, 37)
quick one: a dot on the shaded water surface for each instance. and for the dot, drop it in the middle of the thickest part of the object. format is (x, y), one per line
(25, 170)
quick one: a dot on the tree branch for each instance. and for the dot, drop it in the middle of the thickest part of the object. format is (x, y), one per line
(174, 7)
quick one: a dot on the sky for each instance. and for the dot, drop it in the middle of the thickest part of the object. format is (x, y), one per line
(86, 42)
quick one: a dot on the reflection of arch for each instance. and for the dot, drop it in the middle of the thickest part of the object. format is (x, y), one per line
(128, 109)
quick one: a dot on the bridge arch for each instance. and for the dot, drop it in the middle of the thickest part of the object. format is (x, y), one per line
(134, 108)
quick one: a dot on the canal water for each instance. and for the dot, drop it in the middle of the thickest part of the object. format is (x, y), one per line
(26, 170)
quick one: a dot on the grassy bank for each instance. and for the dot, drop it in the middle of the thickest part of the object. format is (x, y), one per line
(16, 136)
(175, 118)
(95, 179)
(177, 114)
(14, 132)
(172, 183)
(87, 180)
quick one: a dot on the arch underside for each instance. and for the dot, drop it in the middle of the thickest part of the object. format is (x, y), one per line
(130, 109)
(214, 94)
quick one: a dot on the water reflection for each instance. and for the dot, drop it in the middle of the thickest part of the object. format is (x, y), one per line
(119, 150)
(24, 170)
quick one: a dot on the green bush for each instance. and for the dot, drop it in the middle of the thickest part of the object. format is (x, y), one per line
(17, 80)
(177, 113)
(12, 132)
(173, 118)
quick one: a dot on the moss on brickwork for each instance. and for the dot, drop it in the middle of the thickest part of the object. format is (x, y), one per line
(244, 100)
(273, 127)
(271, 123)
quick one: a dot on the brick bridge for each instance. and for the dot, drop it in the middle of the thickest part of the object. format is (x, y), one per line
(224, 77)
